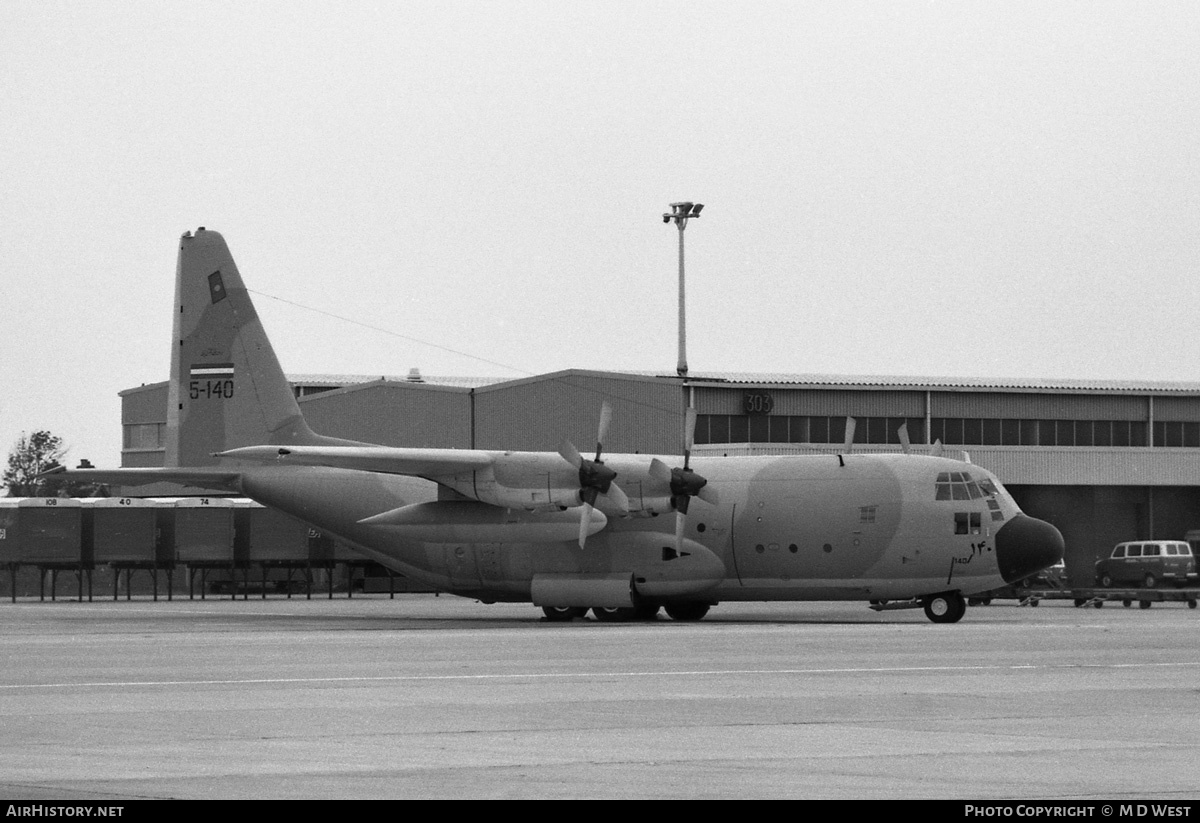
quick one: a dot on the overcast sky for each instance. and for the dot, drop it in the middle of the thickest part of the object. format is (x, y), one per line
(1002, 189)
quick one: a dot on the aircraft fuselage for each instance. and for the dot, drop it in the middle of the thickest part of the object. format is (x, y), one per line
(856, 526)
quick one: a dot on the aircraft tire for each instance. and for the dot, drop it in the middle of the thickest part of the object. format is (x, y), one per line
(612, 615)
(945, 608)
(563, 614)
(693, 610)
(646, 611)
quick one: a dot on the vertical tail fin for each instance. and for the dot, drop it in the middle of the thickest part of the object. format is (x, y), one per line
(227, 388)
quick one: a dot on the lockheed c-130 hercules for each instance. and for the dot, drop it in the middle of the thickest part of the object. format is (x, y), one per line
(571, 533)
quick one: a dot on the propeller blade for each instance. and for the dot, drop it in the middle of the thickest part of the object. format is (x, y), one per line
(618, 497)
(905, 443)
(689, 435)
(680, 525)
(851, 424)
(602, 432)
(584, 520)
(570, 453)
(660, 471)
(709, 495)
(937, 448)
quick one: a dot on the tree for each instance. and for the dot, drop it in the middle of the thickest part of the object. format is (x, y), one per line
(32, 455)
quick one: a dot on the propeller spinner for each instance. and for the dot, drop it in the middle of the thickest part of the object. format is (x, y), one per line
(683, 482)
(595, 478)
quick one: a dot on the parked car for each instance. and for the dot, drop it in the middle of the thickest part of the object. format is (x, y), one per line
(1146, 563)
(1052, 577)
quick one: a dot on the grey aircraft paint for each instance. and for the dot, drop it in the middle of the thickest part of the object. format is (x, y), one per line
(918, 529)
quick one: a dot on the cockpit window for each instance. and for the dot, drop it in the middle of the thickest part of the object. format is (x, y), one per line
(961, 486)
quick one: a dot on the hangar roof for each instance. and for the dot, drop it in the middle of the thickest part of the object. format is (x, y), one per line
(831, 381)
(814, 381)
(968, 383)
(339, 380)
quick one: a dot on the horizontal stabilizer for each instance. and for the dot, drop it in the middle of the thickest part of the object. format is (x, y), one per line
(202, 478)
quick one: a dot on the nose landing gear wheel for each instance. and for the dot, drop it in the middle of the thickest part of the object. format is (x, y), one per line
(945, 608)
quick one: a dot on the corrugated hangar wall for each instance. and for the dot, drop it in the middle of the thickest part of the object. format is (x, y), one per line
(394, 414)
(537, 414)
(1177, 408)
(832, 402)
(1034, 405)
(141, 409)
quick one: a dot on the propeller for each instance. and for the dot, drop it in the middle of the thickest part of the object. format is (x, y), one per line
(595, 478)
(905, 442)
(683, 482)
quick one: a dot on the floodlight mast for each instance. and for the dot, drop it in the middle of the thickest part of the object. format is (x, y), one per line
(680, 212)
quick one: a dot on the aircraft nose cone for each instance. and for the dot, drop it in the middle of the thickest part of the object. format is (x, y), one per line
(1025, 545)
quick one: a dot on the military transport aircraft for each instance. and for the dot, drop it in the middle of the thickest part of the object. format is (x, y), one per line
(571, 533)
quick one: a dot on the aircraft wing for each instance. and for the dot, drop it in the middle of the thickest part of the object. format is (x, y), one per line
(428, 463)
(204, 478)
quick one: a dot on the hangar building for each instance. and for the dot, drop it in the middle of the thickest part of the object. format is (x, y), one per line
(1104, 461)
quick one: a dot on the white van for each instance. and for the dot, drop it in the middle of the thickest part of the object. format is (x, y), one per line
(1145, 563)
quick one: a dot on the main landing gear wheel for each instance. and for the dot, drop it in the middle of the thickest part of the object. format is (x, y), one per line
(563, 614)
(687, 611)
(612, 614)
(646, 611)
(945, 608)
